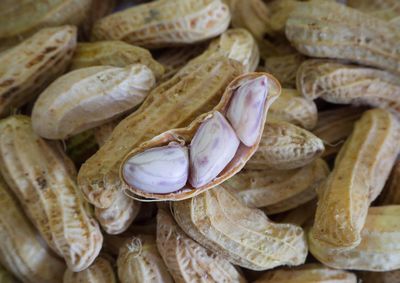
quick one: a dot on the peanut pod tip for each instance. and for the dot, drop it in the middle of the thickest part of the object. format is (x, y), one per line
(181, 163)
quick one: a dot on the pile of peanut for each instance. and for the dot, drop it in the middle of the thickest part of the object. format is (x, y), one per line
(199, 141)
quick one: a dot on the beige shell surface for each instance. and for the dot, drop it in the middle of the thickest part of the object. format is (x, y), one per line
(48, 193)
(22, 251)
(342, 83)
(113, 53)
(237, 44)
(187, 260)
(331, 30)
(185, 135)
(245, 236)
(384, 9)
(200, 88)
(285, 146)
(139, 261)
(311, 272)
(278, 190)
(361, 169)
(293, 108)
(165, 23)
(284, 67)
(88, 97)
(378, 249)
(21, 18)
(119, 216)
(334, 126)
(100, 271)
(29, 67)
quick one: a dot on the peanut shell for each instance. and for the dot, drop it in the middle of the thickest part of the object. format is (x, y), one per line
(99, 272)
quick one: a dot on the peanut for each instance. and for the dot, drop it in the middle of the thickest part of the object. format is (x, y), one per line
(99, 272)
(22, 250)
(245, 236)
(29, 67)
(331, 30)
(187, 260)
(98, 93)
(278, 190)
(202, 85)
(359, 174)
(215, 151)
(139, 261)
(285, 146)
(378, 249)
(113, 53)
(164, 23)
(48, 193)
(349, 84)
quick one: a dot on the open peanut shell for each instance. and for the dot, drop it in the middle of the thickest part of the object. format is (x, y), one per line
(183, 136)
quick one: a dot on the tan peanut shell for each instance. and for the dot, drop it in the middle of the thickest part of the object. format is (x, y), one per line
(293, 108)
(361, 169)
(284, 67)
(29, 67)
(187, 260)
(391, 192)
(22, 251)
(174, 58)
(48, 193)
(185, 135)
(278, 190)
(202, 85)
(117, 218)
(164, 23)
(139, 261)
(311, 272)
(384, 9)
(378, 249)
(332, 30)
(380, 277)
(285, 146)
(334, 126)
(113, 53)
(88, 97)
(22, 18)
(237, 44)
(100, 271)
(245, 236)
(349, 84)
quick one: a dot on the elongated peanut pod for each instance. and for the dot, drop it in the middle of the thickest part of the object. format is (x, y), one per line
(99, 94)
(164, 23)
(29, 67)
(311, 272)
(220, 222)
(201, 84)
(187, 260)
(216, 150)
(326, 29)
(48, 193)
(278, 190)
(113, 53)
(100, 271)
(378, 249)
(291, 107)
(285, 146)
(359, 174)
(342, 83)
(119, 216)
(139, 261)
(22, 250)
